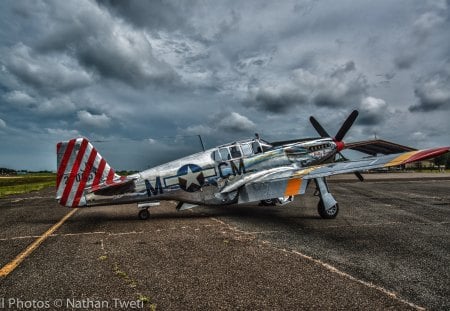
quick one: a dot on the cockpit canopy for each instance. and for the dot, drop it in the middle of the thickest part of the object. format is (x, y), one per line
(239, 149)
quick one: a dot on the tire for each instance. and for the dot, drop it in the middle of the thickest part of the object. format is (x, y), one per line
(144, 214)
(327, 214)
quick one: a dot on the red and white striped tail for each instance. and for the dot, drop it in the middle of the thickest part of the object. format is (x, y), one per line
(80, 166)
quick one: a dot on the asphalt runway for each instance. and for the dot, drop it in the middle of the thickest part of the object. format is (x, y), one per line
(389, 248)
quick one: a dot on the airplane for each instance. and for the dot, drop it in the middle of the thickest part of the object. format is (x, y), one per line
(244, 171)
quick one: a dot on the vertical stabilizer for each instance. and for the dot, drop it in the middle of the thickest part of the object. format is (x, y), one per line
(79, 166)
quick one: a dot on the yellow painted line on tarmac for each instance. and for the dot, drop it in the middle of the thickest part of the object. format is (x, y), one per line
(9, 267)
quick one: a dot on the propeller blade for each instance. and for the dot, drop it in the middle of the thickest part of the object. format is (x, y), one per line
(318, 127)
(342, 156)
(360, 177)
(346, 126)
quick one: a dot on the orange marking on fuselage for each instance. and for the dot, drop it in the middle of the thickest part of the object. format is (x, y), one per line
(293, 186)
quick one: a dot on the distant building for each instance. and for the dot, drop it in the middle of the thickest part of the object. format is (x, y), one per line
(422, 165)
(7, 171)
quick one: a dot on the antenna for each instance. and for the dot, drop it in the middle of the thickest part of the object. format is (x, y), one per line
(201, 142)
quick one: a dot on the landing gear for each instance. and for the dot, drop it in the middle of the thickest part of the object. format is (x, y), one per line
(328, 208)
(143, 209)
(144, 214)
(327, 213)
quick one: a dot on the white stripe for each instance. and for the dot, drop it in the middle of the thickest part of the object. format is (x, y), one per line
(69, 166)
(209, 172)
(105, 173)
(171, 181)
(81, 169)
(97, 160)
(62, 184)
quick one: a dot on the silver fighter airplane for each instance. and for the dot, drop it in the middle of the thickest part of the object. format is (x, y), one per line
(244, 171)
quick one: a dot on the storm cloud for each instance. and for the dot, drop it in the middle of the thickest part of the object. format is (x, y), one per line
(433, 93)
(135, 72)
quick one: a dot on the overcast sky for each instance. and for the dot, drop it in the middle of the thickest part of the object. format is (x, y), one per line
(135, 76)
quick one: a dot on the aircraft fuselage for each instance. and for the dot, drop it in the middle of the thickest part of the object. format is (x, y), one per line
(199, 178)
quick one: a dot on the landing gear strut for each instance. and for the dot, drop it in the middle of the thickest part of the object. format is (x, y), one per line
(328, 208)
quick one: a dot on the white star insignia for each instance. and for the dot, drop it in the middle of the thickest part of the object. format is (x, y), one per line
(191, 177)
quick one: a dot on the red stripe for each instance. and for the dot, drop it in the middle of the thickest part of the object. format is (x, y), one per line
(65, 159)
(73, 172)
(84, 177)
(426, 154)
(99, 174)
(110, 177)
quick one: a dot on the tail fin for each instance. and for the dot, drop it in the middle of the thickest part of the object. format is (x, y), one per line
(79, 166)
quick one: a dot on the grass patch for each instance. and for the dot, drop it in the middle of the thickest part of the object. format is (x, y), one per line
(25, 183)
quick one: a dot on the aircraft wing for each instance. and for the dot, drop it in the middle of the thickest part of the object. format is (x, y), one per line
(288, 181)
(377, 146)
(374, 162)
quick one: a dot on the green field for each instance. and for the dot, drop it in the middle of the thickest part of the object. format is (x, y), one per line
(25, 183)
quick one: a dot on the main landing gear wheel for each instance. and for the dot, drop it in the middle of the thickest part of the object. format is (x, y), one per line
(327, 214)
(144, 214)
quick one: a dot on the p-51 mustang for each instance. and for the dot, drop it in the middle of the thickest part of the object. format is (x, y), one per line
(240, 172)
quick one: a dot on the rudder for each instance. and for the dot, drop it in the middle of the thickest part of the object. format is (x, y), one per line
(79, 166)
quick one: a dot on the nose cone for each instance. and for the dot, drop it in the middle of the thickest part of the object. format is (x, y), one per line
(340, 145)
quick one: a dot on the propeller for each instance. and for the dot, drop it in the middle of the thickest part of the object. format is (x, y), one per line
(346, 126)
(340, 134)
(318, 127)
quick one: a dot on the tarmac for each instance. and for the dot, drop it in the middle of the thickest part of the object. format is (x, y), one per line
(388, 248)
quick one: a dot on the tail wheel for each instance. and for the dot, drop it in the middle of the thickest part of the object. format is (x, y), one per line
(144, 214)
(331, 213)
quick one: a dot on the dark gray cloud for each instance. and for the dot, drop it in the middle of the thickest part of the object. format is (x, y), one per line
(433, 93)
(153, 15)
(112, 49)
(139, 70)
(405, 60)
(424, 30)
(347, 67)
(276, 103)
(335, 88)
(45, 73)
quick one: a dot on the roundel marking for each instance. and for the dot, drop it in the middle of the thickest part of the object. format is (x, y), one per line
(190, 177)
